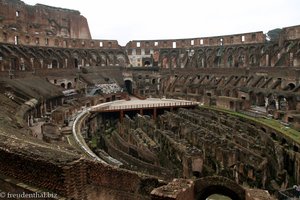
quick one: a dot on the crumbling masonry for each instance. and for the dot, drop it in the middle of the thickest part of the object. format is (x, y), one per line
(245, 131)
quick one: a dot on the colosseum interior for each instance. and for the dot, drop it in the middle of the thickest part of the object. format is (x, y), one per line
(177, 119)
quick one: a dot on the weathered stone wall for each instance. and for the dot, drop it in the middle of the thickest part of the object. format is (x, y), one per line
(217, 55)
(43, 20)
(35, 171)
(21, 61)
(241, 150)
(106, 182)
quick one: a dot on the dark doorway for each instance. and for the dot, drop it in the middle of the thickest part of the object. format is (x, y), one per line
(54, 64)
(291, 86)
(69, 85)
(13, 63)
(75, 63)
(128, 86)
(147, 63)
(231, 104)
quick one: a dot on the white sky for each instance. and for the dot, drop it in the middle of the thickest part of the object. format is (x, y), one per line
(126, 20)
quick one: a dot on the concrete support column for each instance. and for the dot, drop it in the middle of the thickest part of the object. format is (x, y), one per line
(42, 63)
(66, 63)
(51, 105)
(44, 108)
(266, 102)
(121, 116)
(41, 109)
(154, 114)
(291, 61)
(277, 104)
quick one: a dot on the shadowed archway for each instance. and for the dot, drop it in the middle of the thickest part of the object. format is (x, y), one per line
(207, 186)
(128, 86)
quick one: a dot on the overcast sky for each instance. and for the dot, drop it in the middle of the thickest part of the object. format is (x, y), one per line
(126, 20)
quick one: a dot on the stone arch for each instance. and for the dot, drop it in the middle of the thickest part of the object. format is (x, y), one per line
(209, 61)
(291, 86)
(200, 58)
(76, 59)
(129, 85)
(66, 53)
(229, 58)
(153, 81)
(260, 99)
(204, 187)
(69, 85)
(103, 58)
(173, 59)
(94, 60)
(253, 60)
(296, 59)
(54, 64)
(230, 61)
(60, 54)
(110, 58)
(147, 63)
(274, 136)
(14, 62)
(241, 57)
(50, 52)
(208, 51)
(121, 59)
(164, 57)
(218, 58)
(274, 51)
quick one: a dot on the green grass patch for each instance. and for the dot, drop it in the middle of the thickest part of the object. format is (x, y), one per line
(272, 123)
(93, 142)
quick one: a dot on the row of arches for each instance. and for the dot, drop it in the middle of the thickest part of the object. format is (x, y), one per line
(231, 56)
(27, 58)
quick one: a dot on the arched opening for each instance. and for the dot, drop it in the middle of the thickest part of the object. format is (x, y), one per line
(13, 63)
(69, 85)
(215, 191)
(272, 105)
(147, 63)
(291, 86)
(196, 174)
(241, 61)
(63, 85)
(283, 141)
(76, 63)
(273, 136)
(153, 81)
(218, 61)
(230, 61)
(54, 64)
(128, 86)
(260, 99)
(252, 60)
